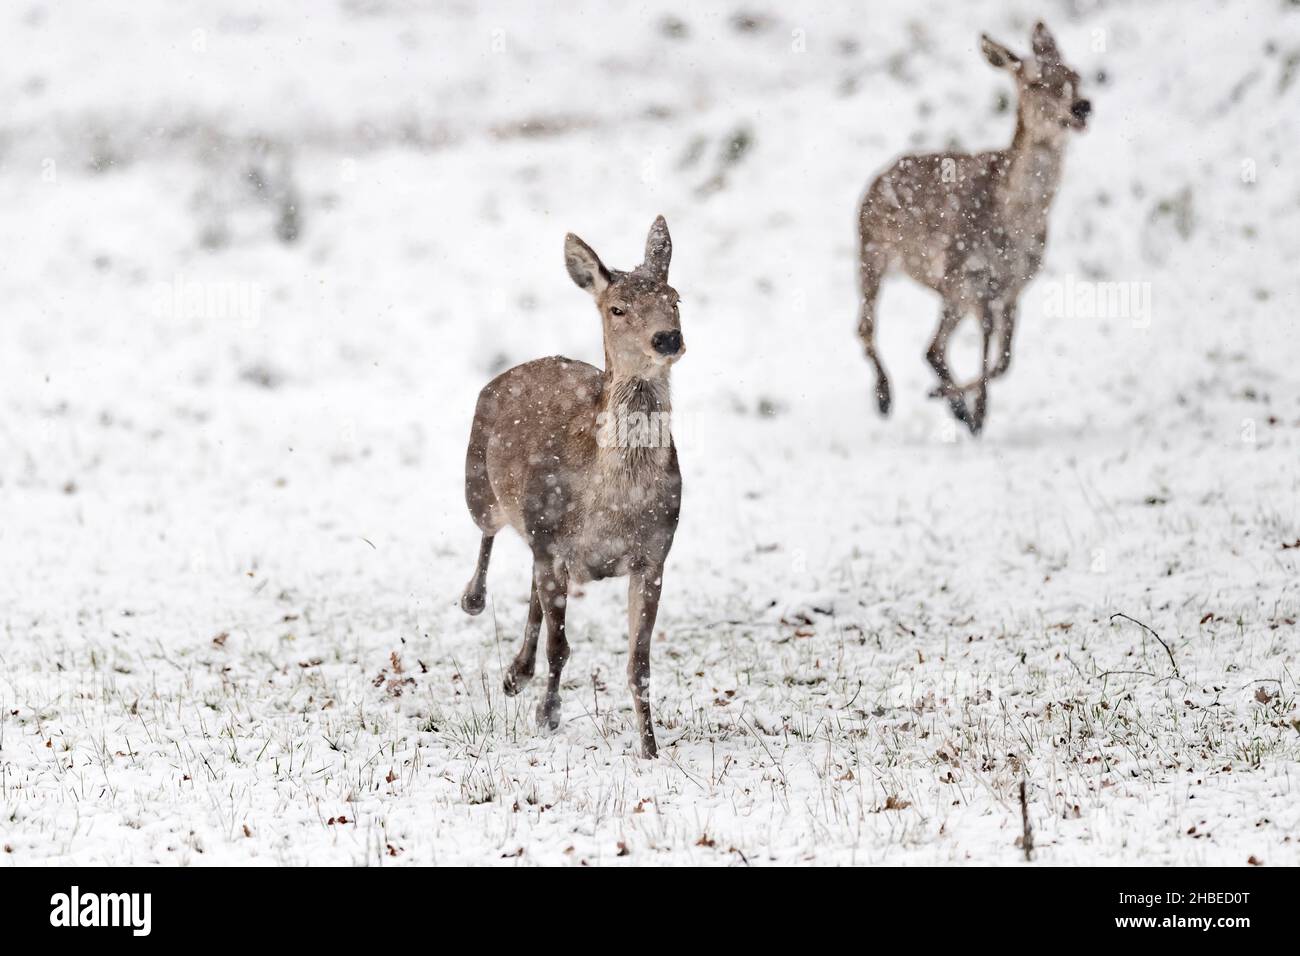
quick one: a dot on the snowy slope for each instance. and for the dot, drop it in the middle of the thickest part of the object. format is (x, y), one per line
(231, 519)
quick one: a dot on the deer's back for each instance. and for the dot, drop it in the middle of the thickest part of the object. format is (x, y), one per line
(532, 428)
(938, 216)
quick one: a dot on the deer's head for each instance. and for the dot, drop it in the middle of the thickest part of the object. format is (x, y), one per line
(638, 309)
(1050, 99)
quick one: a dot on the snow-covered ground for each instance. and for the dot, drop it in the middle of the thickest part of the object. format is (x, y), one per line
(232, 532)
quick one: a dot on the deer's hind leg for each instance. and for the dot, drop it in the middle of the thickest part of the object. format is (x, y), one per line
(522, 668)
(937, 356)
(475, 596)
(486, 512)
(872, 267)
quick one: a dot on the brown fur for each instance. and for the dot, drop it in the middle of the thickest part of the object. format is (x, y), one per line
(547, 456)
(973, 227)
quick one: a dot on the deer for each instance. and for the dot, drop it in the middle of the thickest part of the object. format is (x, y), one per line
(580, 462)
(973, 227)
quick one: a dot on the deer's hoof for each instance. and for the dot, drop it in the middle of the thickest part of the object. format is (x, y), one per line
(473, 602)
(548, 715)
(514, 681)
(883, 399)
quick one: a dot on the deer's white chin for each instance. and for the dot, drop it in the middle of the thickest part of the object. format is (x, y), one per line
(665, 360)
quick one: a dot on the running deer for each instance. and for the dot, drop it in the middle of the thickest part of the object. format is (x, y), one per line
(973, 228)
(581, 463)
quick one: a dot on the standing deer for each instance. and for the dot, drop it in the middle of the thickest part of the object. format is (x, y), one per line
(581, 464)
(973, 228)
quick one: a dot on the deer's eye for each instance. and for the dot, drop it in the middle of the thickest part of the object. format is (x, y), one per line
(615, 310)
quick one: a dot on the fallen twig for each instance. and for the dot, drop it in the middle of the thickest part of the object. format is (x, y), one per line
(1168, 649)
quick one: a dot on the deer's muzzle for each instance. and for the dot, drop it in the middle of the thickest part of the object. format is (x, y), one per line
(666, 343)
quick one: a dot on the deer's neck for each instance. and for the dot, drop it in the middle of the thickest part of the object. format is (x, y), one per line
(1033, 173)
(634, 420)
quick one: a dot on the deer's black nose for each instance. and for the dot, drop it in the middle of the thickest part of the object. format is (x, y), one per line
(1081, 109)
(667, 343)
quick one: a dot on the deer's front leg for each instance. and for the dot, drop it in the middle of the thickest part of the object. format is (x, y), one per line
(1006, 332)
(982, 386)
(937, 356)
(642, 607)
(552, 591)
(1007, 329)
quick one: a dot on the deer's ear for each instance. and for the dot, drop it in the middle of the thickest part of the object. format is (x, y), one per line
(1044, 42)
(585, 267)
(658, 248)
(998, 55)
